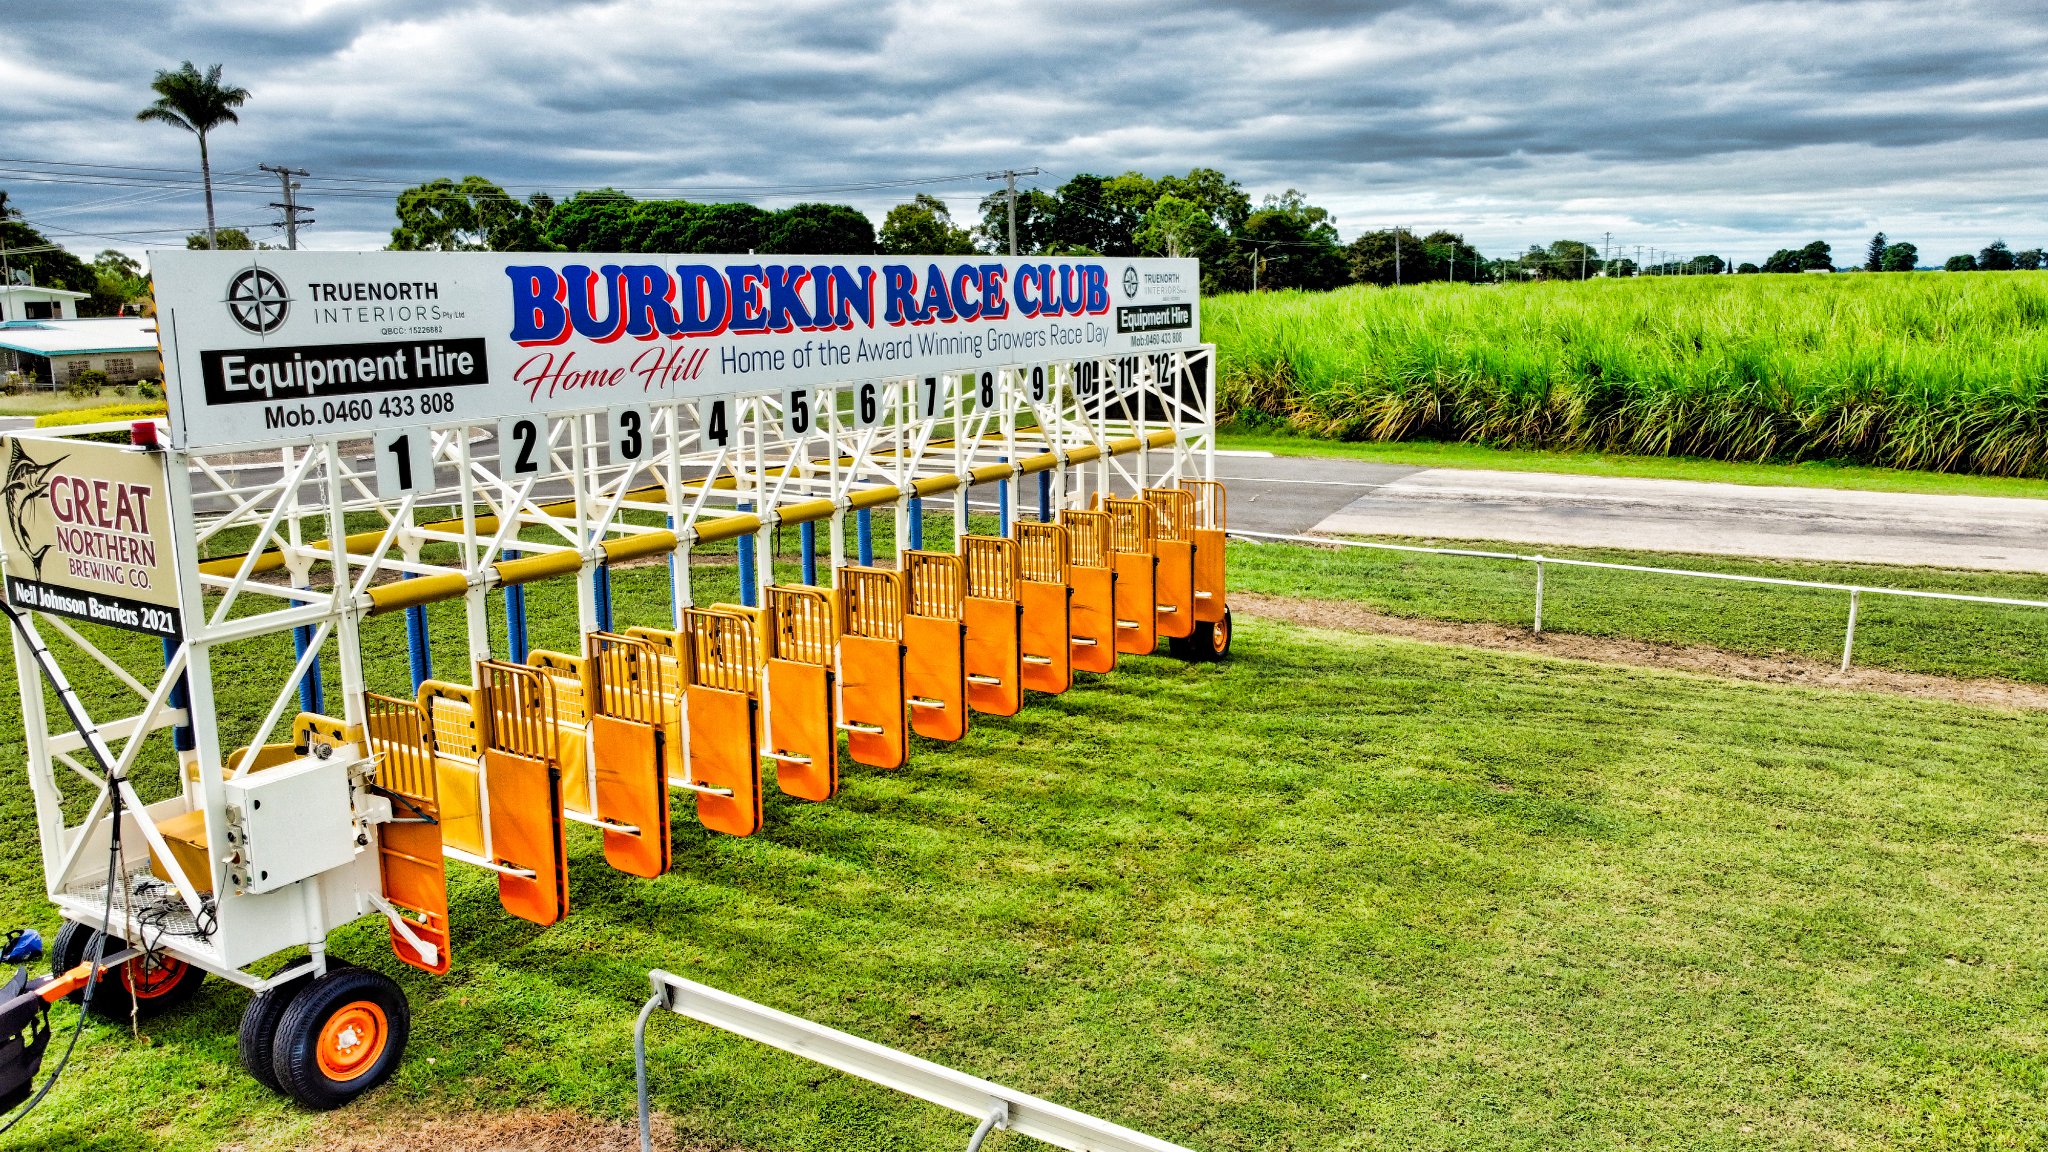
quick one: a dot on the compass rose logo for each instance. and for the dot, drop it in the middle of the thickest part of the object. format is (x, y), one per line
(1130, 282)
(257, 300)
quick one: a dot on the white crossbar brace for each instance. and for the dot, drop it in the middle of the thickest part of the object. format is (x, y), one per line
(988, 1103)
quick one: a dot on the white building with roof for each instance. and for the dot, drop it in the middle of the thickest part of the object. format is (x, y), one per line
(52, 352)
(28, 302)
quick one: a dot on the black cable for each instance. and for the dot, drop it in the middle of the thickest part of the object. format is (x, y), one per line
(66, 698)
(91, 981)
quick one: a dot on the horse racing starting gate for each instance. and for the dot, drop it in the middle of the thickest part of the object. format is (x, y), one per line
(354, 436)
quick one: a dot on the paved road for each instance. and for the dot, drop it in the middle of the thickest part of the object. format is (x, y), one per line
(1296, 494)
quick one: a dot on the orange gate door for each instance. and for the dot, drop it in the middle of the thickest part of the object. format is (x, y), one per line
(1130, 543)
(1093, 578)
(1210, 520)
(721, 682)
(934, 644)
(413, 873)
(1046, 640)
(799, 735)
(994, 663)
(523, 788)
(629, 785)
(1173, 515)
(871, 704)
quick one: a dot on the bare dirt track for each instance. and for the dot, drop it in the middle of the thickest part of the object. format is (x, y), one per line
(1777, 669)
(517, 1130)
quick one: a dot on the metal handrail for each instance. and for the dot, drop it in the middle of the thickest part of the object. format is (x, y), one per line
(991, 1104)
(1855, 591)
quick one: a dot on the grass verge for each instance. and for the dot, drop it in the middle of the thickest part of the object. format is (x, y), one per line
(1807, 474)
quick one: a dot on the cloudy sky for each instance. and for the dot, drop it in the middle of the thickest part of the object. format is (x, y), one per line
(1687, 125)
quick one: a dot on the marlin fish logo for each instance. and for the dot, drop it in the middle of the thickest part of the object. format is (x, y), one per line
(27, 482)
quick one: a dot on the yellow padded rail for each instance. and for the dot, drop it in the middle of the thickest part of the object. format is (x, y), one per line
(431, 589)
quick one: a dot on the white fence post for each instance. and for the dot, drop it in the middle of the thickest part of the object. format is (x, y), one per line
(1849, 637)
(1539, 593)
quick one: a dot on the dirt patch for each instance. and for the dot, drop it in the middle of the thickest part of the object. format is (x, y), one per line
(1799, 670)
(519, 1130)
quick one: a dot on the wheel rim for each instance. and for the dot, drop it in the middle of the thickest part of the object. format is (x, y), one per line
(148, 979)
(1219, 635)
(352, 1040)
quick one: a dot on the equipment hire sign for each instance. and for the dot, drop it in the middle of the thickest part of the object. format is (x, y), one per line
(88, 534)
(272, 347)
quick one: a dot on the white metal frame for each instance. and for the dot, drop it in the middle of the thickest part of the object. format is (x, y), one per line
(321, 547)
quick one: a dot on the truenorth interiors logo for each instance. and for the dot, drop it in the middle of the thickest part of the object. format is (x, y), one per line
(1130, 282)
(257, 300)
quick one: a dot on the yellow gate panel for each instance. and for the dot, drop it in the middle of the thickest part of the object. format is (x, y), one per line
(458, 762)
(410, 867)
(1045, 630)
(1136, 565)
(934, 644)
(992, 657)
(1173, 515)
(1210, 520)
(626, 735)
(523, 781)
(799, 735)
(871, 704)
(572, 726)
(1092, 607)
(722, 670)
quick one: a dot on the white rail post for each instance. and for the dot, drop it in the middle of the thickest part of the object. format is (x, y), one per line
(1849, 637)
(1539, 593)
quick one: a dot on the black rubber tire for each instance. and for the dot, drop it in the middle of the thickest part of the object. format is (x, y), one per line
(295, 1051)
(111, 999)
(69, 950)
(256, 1038)
(1210, 641)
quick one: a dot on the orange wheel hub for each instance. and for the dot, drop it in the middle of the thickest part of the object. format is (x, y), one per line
(352, 1039)
(147, 981)
(1219, 636)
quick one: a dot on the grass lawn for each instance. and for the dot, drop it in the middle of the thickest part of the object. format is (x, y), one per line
(1813, 474)
(1935, 637)
(44, 402)
(1343, 892)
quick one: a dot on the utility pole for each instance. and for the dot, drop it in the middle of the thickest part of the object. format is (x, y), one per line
(1009, 179)
(1397, 255)
(1606, 261)
(291, 206)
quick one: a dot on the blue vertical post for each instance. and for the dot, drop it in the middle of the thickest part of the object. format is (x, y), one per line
(747, 589)
(1045, 496)
(515, 618)
(807, 543)
(181, 697)
(416, 648)
(864, 532)
(311, 697)
(917, 521)
(601, 583)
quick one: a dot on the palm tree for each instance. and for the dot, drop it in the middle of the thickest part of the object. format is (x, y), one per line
(198, 104)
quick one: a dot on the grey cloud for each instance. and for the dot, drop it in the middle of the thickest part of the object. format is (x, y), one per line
(1737, 126)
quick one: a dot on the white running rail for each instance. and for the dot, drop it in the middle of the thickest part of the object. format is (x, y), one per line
(1855, 591)
(993, 1105)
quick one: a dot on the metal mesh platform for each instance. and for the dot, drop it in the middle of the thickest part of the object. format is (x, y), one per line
(153, 903)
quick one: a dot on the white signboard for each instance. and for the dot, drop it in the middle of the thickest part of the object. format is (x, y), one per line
(277, 347)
